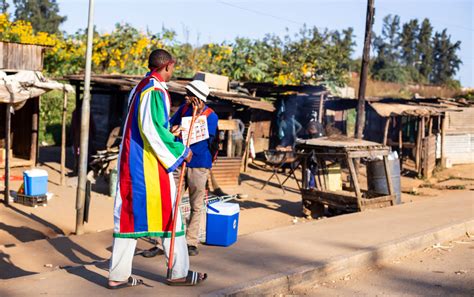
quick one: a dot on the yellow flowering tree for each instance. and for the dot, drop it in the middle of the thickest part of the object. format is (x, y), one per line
(312, 56)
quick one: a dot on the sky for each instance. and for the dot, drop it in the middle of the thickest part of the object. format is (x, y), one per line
(204, 21)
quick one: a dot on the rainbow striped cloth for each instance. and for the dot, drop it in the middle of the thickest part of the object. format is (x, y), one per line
(146, 191)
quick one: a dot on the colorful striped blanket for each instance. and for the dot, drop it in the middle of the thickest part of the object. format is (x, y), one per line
(146, 191)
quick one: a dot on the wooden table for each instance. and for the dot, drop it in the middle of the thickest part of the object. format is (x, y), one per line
(315, 153)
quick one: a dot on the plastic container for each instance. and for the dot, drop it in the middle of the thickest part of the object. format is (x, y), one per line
(36, 182)
(334, 177)
(222, 223)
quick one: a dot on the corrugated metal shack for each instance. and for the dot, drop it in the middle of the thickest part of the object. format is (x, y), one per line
(109, 103)
(416, 128)
(297, 104)
(459, 142)
(21, 85)
(16, 57)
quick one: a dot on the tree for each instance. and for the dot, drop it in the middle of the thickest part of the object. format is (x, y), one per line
(391, 37)
(424, 49)
(446, 61)
(408, 41)
(4, 6)
(344, 41)
(43, 14)
(386, 64)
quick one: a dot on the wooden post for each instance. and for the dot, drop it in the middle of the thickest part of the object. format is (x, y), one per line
(85, 117)
(247, 146)
(388, 176)
(6, 196)
(418, 144)
(430, 126)
(321, 107)
(355, 182)
(364, 69)
(443, 141)
(63, 139)
(400, 140)
(34, 130)
(421, 154)
(385, 132)
(230, 151)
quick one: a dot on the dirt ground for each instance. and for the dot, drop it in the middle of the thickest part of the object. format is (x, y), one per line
(260, 209)
(23, 224)
(445, 269)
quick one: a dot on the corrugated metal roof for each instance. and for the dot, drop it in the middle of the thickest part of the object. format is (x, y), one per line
(127, 82)
(396, 109)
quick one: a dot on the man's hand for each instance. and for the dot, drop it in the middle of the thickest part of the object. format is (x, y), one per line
(195, 101)
(176, 130)
(189, 156)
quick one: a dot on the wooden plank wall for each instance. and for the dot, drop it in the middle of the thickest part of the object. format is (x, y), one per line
(16, 56)
(428, 155)
(226, 171)
(460, 122)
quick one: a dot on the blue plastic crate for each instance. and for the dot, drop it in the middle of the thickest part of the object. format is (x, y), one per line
(222, 223)
(35, 182)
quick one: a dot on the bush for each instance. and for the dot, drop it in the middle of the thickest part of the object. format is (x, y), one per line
(51, 116)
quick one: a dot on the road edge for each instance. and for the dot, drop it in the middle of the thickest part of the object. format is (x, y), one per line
(286, 281)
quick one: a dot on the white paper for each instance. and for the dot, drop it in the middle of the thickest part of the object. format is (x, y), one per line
(200, 130)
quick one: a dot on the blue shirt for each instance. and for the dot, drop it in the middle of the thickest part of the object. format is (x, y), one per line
(202, 157)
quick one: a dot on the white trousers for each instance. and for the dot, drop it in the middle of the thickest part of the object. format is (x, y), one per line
(123, 251)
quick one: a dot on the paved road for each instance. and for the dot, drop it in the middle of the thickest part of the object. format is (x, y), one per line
(253, 258)
(446, 270)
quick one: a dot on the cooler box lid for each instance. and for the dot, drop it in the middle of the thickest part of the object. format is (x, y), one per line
(35, 173)
(223, 208)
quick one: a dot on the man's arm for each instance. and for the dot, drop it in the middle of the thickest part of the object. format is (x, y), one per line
(153, 125)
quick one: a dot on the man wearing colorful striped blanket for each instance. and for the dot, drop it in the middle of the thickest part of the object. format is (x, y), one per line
(146, 191)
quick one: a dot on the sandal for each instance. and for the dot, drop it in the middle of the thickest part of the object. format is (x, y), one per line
(193, 279)
(132, 282)
(193, 250)
(152, 252)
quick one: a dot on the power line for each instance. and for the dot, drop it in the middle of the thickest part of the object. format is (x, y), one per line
(260, 13)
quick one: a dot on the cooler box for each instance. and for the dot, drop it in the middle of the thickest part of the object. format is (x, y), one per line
(222, 223)
(36, 182)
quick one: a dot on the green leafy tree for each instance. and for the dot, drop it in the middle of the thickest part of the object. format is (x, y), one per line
(408, 53)
(43, 14)
(391, 37)
(386, 64)
(446, 60)
(345, 43)
(4, 6)
(408, 42)
(424, 50)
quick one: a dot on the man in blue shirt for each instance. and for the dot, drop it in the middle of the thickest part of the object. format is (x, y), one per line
(197, 170)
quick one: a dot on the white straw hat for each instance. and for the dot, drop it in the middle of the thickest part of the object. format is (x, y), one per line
(199, 88)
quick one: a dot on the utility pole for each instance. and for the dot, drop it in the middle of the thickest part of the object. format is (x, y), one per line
(364, 69)
(7, 150)
(85, 115)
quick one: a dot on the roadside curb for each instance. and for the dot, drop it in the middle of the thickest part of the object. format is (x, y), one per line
(342, 265)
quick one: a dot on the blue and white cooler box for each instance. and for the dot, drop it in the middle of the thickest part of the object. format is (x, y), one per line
(222, 223)
(35, 182)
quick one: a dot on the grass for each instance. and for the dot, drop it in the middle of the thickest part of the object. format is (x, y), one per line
(395, 90)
